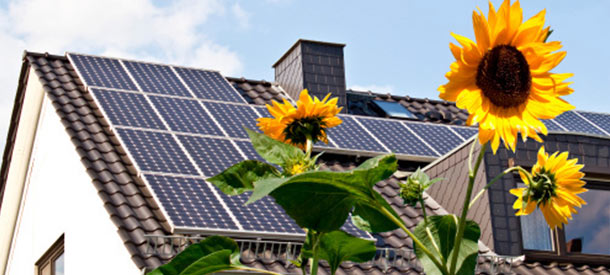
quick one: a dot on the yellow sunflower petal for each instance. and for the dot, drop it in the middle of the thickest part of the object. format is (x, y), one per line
(504, 115)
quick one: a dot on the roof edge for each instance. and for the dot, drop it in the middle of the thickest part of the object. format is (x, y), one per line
(14, 123)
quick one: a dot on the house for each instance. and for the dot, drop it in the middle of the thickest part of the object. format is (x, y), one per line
(104, 168)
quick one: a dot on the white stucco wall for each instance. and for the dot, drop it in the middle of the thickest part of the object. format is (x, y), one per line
(59, 198)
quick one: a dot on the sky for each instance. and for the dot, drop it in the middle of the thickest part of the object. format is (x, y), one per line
(398, 47)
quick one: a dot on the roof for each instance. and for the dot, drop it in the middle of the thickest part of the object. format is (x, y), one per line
(128, 201)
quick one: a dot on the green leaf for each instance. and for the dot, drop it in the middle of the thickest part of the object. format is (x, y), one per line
(322, 207)
(440, 237)
(338, 246)
(213, 254)
(377, 169)
(370, 219)
(272, 150)
(322, 200)
(265, 187)
(240, 177)
(214, 262)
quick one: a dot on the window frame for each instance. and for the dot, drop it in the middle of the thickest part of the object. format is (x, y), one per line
(50, 256)
(558, 238)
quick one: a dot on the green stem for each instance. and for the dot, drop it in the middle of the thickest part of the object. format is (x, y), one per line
(308, 147)
(316, 256)
(436, 248)
(416, 241)
(257, 270)
(423, 209)
(462, 222)
(515, 168)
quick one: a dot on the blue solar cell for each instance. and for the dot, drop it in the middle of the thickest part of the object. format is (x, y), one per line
(397, 137)
(127, 109)
(102, 72)
(466, 133)
(350, 228)
(439, 137)
(248, 150)
(551, 125)
(185, 115)
(350, 135)
(263, 215)
(212, 155)
(190, 202)
(574, 123)
(209, 85)
(233, 118)
(262, 111)
(156, 79)
(601, 120)
(156, 152)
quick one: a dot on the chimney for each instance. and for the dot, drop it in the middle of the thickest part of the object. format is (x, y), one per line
(315, 66)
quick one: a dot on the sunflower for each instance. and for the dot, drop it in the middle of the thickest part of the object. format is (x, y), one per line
(504, 80)
(553, 187)
(307, 121)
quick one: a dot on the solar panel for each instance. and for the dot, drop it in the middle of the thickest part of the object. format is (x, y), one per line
(185, 115)
(127, 109)
(156, 79)
(262, 215)
(575, 123)
(551, 125)
(102, 72)
(156, 152)
(350, 135)
(190, 202)
(601, 120)
(466, 133)
(439, 137)
(397, 137)
(212, 155)
(209, 85)
(233, 117)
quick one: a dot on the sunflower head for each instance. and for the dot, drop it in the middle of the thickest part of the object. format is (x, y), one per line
(504, 79)
(309, 120)
(552, 186)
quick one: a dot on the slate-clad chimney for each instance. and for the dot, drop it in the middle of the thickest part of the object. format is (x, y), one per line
(313, 65)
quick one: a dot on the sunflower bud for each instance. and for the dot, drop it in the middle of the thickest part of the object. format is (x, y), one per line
(412, 191)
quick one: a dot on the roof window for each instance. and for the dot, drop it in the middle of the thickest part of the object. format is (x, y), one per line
(394, 109)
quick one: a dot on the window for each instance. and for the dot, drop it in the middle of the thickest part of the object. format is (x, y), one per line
(52, 261)
(583, 240)
(394, 109)
(589, 231)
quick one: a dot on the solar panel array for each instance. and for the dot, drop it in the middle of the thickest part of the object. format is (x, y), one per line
(182, 125)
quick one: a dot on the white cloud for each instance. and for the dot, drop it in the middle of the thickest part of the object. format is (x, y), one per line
(136, 29)
(380, 89)
(242, 16)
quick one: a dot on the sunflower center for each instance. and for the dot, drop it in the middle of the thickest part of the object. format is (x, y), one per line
(504, 76)
(543, 186)
(300, 129)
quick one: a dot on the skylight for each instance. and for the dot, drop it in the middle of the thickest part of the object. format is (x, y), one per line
(394, 109)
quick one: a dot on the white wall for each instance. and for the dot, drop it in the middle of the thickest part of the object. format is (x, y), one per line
(59, 198)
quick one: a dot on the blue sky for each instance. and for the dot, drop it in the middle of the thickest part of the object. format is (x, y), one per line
(400, 47)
